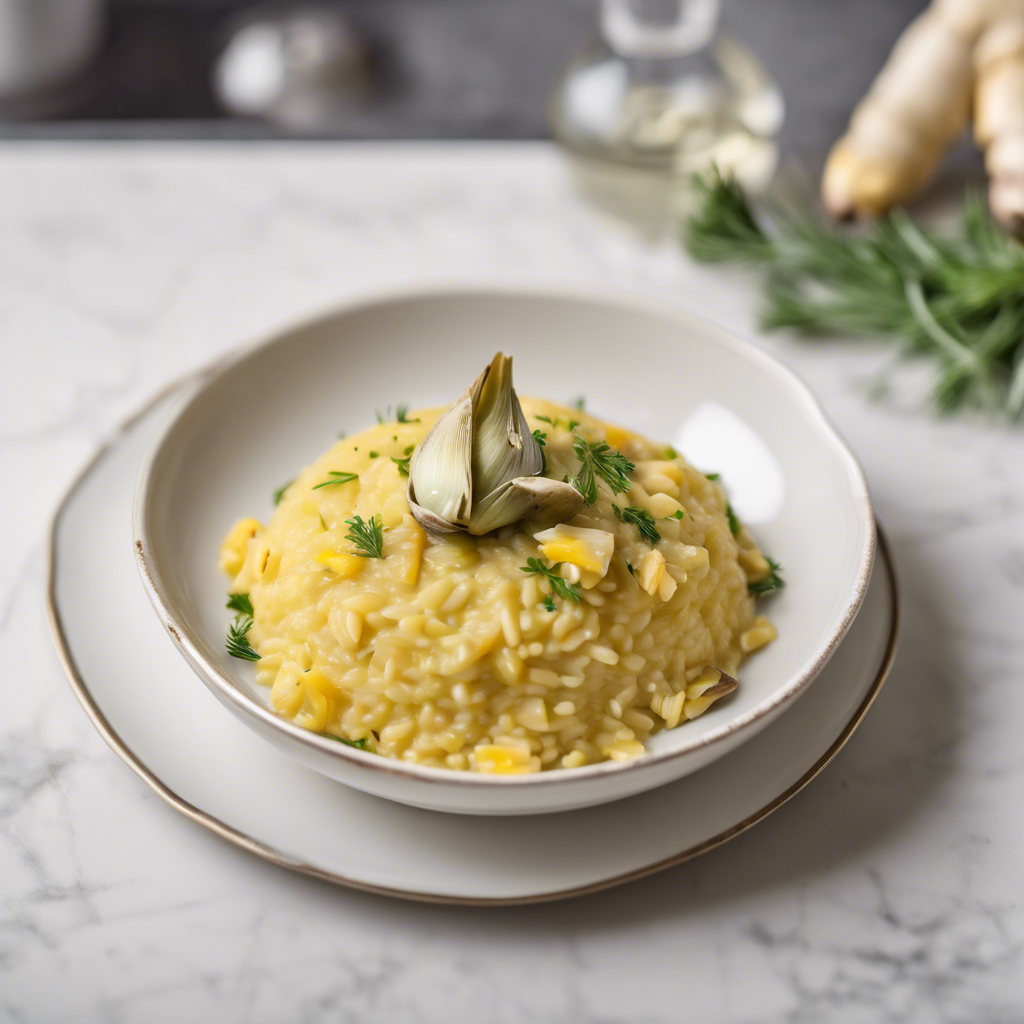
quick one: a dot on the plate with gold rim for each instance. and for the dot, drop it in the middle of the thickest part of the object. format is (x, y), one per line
(208, 766)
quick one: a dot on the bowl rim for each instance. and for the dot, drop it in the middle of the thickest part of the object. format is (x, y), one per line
(632, 300)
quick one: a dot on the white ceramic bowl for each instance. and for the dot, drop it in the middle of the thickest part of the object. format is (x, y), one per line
(651, 366)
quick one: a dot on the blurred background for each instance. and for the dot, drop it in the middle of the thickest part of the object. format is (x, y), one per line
(403, 69)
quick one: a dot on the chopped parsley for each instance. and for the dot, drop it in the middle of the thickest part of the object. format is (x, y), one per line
(368, 537)
(773, 581)
(401, 414)
(540, 437)
(713, 476)
(562, 587)
(678, 514)
(240, 603)
(336, 477)
(579, 403)
(671, 453)
(641, 519)
(279, 493)
(237, 644)
(374, 455)
(599, 459)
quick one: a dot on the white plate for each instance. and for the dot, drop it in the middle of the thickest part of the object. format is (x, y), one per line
(207, 765)
(647, 364)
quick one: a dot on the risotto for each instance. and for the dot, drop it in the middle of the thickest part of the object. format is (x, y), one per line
(526, 648)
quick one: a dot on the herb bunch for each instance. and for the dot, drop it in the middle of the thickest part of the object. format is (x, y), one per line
(957, 300)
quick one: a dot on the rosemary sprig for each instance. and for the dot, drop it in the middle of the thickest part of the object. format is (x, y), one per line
(773, 581)
(237, 643)
(599, 459)
(562, 587)
(240, 603)
(336, 477)
(641, 519)
(367, 536)
(957, 300)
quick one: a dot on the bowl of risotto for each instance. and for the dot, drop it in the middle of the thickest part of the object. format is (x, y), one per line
(479, 592)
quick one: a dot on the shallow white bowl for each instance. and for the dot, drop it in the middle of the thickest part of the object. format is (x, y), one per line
(647, 365)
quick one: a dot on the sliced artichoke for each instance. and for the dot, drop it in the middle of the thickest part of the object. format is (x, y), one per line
(478, 468)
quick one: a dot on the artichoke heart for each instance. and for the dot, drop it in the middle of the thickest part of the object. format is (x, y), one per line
(479, 467)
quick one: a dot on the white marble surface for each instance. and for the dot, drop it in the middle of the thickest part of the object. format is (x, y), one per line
(890, 890)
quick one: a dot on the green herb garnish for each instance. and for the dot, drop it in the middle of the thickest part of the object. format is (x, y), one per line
(549, 603)
(402, 414)
(336, 477)
(671, 453)
(678, 514)
(734, 524)
(714, 476)
(540, 437)
(374, 455)
(279, 493)
(237, 644)
(403, 463)
(547, 419)
(359, 744)
(773, 581)
(368, 537)
(955, 299)
(579, 403)
(641, 519)
(240, 603)
(632, 571)
(599, 459)
(562, 587)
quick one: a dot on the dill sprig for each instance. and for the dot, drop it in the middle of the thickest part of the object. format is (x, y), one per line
(401, 414)
(562, 587)
(237, 643)
(336, 477)
(734, 522)
(403, 463)
(641, 519)
(772, 582)
(599, 459)
(240, 603)
(956, 299)
(367, 536)
(279, 493)
(359, 744)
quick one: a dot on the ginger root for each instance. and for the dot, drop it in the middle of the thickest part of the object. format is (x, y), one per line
(956, 53)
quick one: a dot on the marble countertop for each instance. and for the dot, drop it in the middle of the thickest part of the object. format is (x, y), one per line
(891, 889)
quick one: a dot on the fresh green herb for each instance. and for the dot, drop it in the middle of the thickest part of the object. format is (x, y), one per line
(671, 453)
(394, 437)
(562, 587)
(359, 744)
(579, 403)
(540, 437)
(336, 477)
(549, 603)
(632, 571)
(374, 455)
(641, 519)
(240, 603)
(734, 523)
(403, 463)
(368, 537)
(547, 419)
(599, 459)
(237, 644)
(713, 476)
(957, 300)
(402, 414)
(773, 581)
(573, 424)
(279, 493)
(678, 514)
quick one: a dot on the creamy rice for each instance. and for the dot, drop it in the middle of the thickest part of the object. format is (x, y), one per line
(444, 652)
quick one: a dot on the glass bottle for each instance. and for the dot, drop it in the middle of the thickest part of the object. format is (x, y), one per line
(662, 97)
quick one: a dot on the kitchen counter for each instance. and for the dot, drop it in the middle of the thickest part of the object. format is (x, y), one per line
(890, 889)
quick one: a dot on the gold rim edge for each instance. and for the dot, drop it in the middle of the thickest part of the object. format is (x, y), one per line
(232, 835)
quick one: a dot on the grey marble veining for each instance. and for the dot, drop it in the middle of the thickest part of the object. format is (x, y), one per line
(890, 890)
